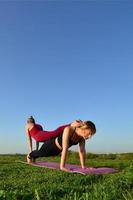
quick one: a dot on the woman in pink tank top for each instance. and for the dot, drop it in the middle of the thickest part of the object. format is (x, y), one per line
(36, 131)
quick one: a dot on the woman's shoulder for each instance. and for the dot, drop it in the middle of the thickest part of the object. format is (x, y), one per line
(70, 129)
(38, 126)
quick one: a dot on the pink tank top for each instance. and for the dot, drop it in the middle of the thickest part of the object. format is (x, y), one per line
(35, 130)
(40, 135)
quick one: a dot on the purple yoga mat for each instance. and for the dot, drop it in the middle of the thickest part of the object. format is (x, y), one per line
(76, 168)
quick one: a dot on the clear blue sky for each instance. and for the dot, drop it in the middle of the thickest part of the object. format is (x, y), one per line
(60, 61)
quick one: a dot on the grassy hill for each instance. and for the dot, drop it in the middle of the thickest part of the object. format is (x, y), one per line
(25, 182)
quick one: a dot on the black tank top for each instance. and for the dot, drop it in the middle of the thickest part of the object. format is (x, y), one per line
(70, 140)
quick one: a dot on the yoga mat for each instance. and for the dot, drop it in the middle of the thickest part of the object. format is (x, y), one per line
(75, 168)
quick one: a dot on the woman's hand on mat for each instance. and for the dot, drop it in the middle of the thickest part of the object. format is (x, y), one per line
(83, 167)
(65, 169)
(87, 167)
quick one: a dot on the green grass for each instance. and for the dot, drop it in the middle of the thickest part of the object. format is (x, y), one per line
(25, 182)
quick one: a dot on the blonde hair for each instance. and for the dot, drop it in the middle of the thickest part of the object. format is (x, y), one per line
(88, 125)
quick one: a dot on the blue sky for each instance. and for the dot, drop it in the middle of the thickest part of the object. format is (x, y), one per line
(61, 61)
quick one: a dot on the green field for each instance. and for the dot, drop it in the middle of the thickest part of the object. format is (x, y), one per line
(20, 181)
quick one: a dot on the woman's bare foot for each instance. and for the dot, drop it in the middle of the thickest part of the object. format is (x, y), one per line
(29, 160)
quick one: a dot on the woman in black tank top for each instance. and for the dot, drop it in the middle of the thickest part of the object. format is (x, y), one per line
(73, 140)
(70, 136)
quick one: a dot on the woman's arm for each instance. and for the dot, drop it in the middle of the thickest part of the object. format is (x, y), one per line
(29, 139)
(82, 153)
(65, 144)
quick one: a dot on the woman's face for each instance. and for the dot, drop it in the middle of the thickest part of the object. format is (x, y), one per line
(86, 133)
(29, 124)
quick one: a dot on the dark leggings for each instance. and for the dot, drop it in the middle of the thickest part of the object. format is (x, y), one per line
(49, 148)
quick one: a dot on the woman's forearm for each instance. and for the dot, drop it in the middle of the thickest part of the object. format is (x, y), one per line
(65, 144)
(29, 139)
(30, 144)
(63, 158)
(82, 158)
